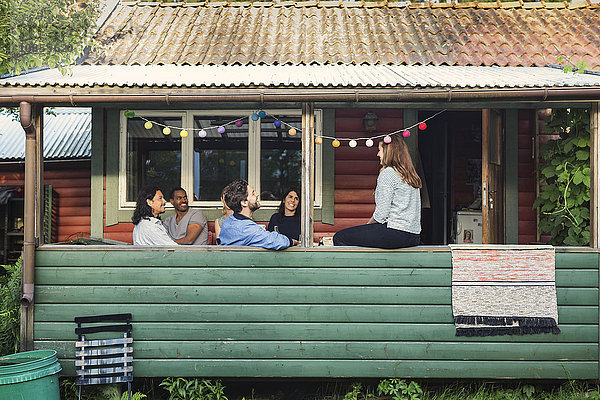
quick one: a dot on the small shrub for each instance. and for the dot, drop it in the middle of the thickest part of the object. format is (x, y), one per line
(70, 391)
(10, 300)
(564, 199)
(193, 389)
(357, 394)
(399, 389)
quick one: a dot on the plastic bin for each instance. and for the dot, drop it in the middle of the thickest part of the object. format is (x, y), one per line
(30, 375)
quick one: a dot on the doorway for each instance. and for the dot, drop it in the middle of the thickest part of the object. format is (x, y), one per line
(451, 156)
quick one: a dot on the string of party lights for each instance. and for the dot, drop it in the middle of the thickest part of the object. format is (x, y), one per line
(335, 142)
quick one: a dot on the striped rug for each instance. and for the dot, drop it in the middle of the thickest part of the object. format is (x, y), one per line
(503, 290)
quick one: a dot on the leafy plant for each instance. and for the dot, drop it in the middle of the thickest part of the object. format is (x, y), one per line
(578, 68)
(357, 394)
(10, 298)
(399, 389)
(528, 391)
(564, 199)
(70, 391)
(193, 389)
(35, 33)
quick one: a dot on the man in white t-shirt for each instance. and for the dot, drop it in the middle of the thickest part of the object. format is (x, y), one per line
(187, 226)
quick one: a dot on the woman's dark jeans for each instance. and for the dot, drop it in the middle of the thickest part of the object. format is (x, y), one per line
(375, 235)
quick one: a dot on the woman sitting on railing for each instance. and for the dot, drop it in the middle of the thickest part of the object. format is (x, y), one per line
(396, 221)
(149, 229)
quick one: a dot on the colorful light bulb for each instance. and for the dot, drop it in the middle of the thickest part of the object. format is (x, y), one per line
(387, 139)
(148, 125)
(352, 143)
(166, 131)
(369, 143)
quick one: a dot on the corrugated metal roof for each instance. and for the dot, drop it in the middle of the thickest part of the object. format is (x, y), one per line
(341, 76)
(67, 135)
(350, 32)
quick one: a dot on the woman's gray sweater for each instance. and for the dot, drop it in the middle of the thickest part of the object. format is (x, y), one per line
(397, 203)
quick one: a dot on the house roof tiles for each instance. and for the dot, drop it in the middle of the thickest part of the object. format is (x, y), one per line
(370, 33)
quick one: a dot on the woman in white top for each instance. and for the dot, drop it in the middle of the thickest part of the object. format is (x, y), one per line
(396, 221)
(149, 230)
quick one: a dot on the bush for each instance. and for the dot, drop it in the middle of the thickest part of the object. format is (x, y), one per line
(10, 310)
(564, 199)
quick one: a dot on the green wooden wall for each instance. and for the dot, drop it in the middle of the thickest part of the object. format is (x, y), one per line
(218, 312)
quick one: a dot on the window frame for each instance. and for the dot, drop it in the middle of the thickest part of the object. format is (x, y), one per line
(187, 149)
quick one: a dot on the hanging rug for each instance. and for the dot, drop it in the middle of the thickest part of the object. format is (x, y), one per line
(503, 290)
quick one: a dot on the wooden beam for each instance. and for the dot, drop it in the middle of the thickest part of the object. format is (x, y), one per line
(595, 175)
(511, 178)
(308, 173)
(97, 173)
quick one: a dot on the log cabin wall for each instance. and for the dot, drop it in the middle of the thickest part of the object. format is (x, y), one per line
(356, 169)
(71, 181)
(527, 177)
(324, 313)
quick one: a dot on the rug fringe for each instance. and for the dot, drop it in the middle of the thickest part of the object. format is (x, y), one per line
(517, 330)
(504, 321)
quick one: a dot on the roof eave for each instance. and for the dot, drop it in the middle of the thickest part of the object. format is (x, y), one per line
(81, 95)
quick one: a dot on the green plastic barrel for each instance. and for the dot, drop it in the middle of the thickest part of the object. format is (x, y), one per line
(31, 375)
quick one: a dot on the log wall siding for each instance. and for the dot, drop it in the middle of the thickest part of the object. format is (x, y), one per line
(71, 180)
(214, 312)
(527, 178)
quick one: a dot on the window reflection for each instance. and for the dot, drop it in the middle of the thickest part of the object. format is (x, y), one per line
(152, 157)
(281, 156)
(218, 158)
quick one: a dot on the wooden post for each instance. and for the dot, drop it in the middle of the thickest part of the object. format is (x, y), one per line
(595, 187)
(308, 171)
(595, 175)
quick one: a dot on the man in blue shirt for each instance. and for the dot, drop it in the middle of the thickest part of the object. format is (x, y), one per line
(239, 229)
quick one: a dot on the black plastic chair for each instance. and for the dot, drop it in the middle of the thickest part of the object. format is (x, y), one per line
(103, 361)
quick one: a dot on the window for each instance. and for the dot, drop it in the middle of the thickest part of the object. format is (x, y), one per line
(262, 152)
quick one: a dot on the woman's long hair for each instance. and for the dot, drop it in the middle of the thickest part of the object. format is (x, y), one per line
(396, 155)
(281, 210)
(142, 209)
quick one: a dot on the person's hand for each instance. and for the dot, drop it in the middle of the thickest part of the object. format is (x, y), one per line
(295, 242)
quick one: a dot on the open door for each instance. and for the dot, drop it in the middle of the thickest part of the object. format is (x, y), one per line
(492, 176)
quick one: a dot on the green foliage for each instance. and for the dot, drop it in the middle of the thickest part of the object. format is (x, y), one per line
(10, 300)
(193, 389)
(564, 199)
(357, 394)
(399, 389)
(35, 33)
(578, 68)
(69, 391)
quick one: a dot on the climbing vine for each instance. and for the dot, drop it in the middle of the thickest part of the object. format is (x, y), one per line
(564, 200)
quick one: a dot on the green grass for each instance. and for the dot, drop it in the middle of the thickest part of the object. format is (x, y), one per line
(340, 389)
